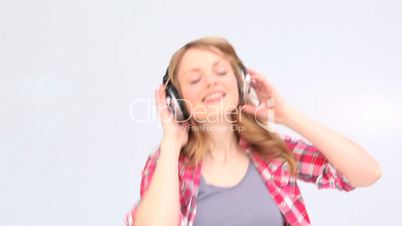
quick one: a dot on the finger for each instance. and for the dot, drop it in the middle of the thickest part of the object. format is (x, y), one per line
(262, 91)
(160, 96)
(261, 80)
(162, 107)
(158, 103)
(255, 76)
(156, 96)
(258, 78)
(251, 71)
(261, 84)
(256, 84)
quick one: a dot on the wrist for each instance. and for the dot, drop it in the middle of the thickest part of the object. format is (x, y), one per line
(290, 116)
(170, 143)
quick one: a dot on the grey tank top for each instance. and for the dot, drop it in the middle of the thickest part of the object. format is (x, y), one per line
(246, 204)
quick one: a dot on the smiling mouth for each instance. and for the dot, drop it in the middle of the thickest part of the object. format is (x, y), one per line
(212, 98)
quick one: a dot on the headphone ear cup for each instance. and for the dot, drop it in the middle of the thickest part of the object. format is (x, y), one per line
(246, 84)
(175, 104)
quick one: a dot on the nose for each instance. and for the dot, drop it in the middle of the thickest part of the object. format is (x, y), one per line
(211, 79)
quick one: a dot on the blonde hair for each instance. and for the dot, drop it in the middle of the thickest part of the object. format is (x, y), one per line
(266, 144)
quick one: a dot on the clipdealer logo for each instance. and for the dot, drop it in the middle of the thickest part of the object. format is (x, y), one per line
(142, 110)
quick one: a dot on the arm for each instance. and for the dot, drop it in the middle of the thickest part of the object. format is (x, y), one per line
(349, 158)
(346, 156)
(159, 203)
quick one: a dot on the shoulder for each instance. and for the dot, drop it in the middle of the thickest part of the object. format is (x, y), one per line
(152, 161)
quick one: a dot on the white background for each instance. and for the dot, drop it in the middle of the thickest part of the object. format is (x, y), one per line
(70, 153)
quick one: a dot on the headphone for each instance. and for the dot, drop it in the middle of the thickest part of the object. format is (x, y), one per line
(176, 104)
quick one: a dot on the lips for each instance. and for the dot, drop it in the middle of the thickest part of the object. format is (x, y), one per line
(213, 97)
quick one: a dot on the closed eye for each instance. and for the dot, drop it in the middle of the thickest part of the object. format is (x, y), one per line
(195, 81)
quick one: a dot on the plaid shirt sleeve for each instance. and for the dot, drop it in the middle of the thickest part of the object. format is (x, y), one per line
(146, 178)
(313, 166)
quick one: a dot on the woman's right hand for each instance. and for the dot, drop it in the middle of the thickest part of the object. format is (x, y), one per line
(174, 132)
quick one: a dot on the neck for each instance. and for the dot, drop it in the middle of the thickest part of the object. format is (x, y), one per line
(223, 141)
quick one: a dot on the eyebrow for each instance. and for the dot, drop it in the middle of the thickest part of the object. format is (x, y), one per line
(198, 69)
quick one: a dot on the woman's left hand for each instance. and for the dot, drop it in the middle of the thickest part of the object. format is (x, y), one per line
(272, 107)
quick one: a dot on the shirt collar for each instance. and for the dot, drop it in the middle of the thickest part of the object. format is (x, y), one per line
(275, 170)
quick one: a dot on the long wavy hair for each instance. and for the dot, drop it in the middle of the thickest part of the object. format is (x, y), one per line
(265, 143)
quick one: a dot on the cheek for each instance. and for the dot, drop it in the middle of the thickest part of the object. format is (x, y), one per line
(234, 91)
(191, 96)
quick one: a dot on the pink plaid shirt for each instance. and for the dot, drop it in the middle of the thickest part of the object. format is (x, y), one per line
(312, 167)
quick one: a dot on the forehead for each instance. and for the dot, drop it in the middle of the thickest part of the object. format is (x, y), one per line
(200, 58)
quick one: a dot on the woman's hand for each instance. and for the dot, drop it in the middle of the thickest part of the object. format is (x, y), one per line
(272, 106)
(172, 131)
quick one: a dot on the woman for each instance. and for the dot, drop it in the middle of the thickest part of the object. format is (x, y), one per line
(220, 166)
